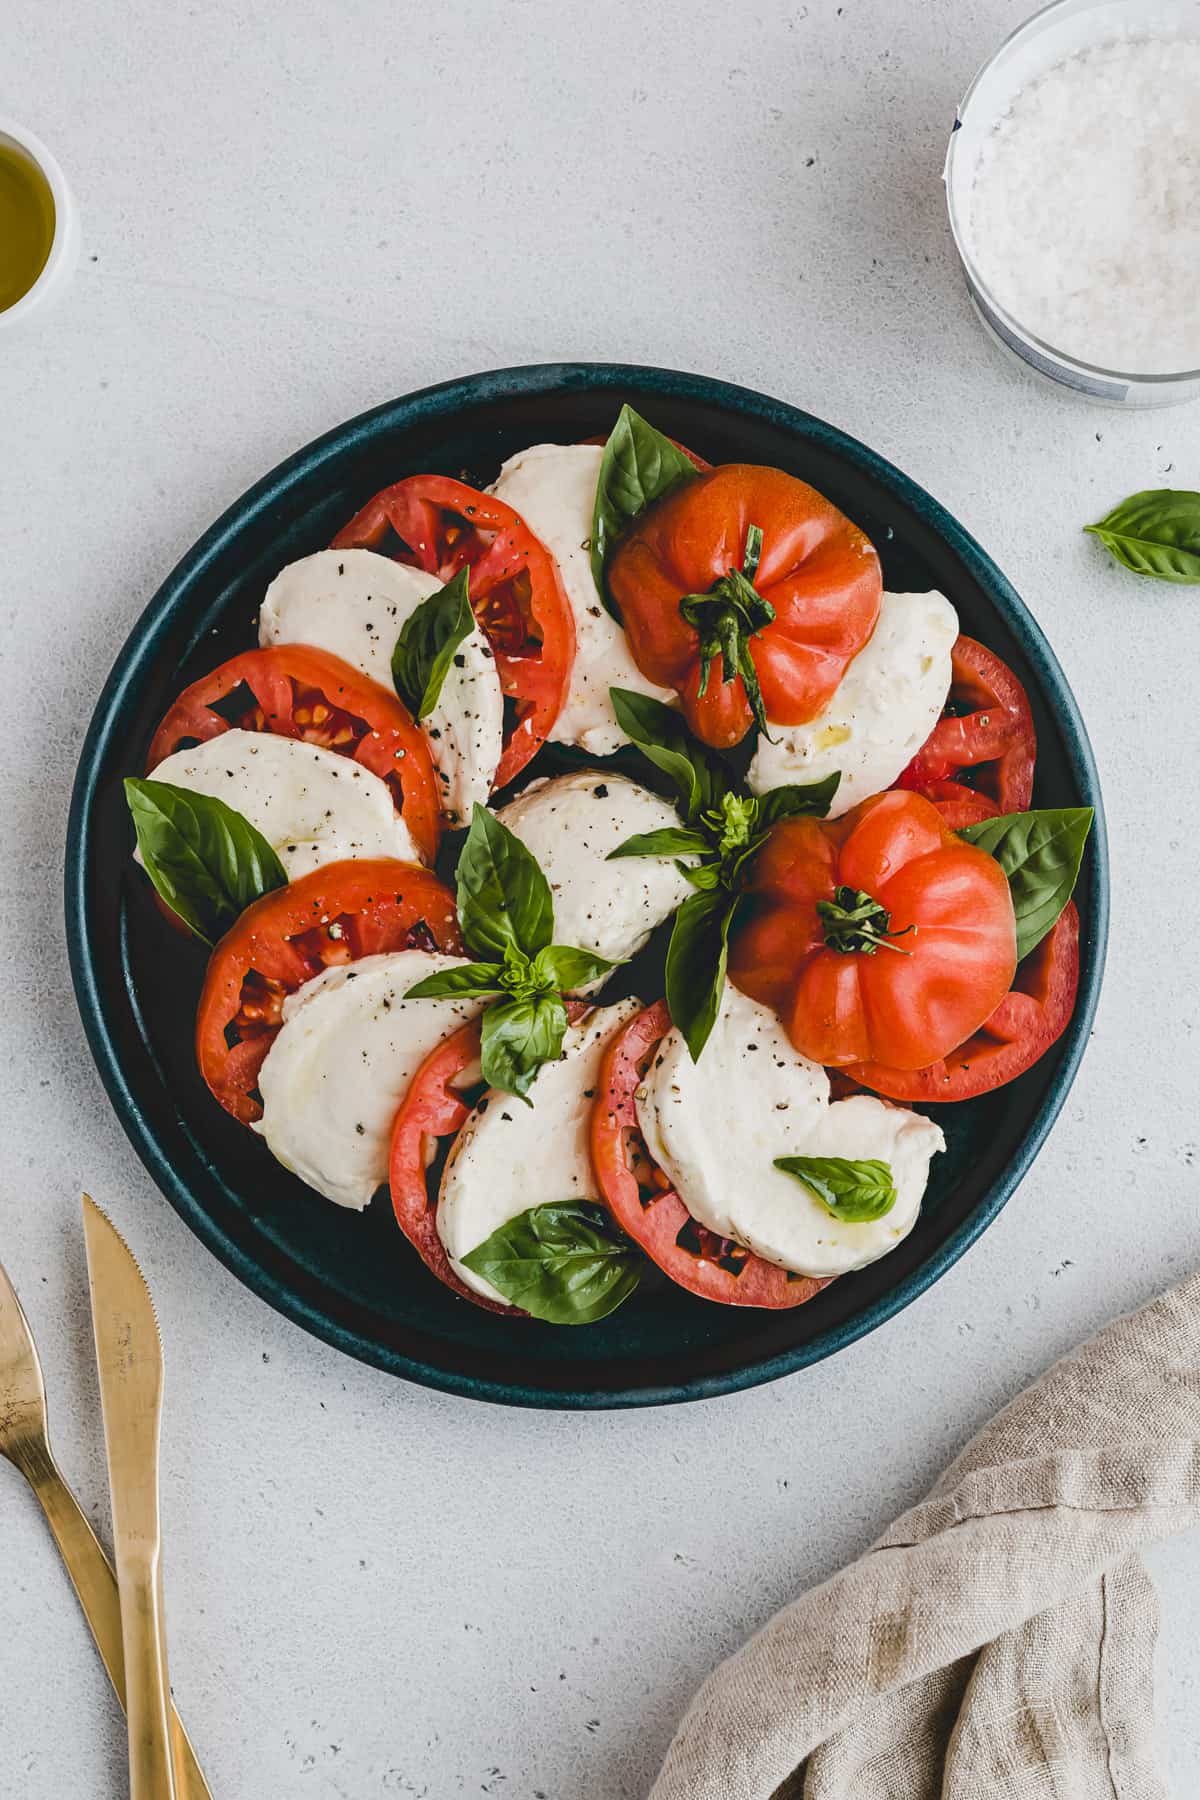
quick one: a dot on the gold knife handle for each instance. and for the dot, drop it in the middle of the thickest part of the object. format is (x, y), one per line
(96, 1586)
(147, 1697)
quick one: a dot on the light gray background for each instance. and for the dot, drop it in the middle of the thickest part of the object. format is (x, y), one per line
(293, 212)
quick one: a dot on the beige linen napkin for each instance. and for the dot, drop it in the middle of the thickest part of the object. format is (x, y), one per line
(997, 1643)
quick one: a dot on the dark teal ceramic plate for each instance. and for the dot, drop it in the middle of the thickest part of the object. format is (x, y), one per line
(353, 1279)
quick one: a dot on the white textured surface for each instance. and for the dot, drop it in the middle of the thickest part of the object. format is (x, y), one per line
(375, 1590)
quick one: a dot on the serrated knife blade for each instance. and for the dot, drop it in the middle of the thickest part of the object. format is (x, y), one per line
(130, 1366)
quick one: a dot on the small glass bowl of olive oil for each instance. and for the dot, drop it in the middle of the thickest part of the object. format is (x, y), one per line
(39, 230)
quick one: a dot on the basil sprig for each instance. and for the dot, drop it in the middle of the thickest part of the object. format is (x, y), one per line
(1041, 853)
(1155, 533)
(428, 640)
(564, 1262)
(855, 1192)
(206, 861)
(506, 915)
(722, 828)
(639, 466)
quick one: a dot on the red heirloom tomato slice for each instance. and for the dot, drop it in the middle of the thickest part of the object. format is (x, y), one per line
(442, 525)
(1031, 1017)
(984, 743)
(877, 937)
(336, 914)
(298, 692)
(811, 601)
(647, 1208)
(433, 1108)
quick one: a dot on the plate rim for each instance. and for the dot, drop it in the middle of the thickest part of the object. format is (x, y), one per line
(439, 399)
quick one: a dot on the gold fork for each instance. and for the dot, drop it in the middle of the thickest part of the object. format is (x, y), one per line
(25, 1441)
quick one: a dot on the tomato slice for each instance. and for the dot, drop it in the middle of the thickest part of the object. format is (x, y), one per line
(298, 692)
(433, 1109)
(1031, 1017)
(984, 741)
(333, 915)
(442, 525)
(647, 1208)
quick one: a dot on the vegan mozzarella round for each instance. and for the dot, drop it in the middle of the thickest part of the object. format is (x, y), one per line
(510, 1157)
(716, 1126)
(312, 805)
(353, 603)
(333, 1079)
(553, 487)
(883, 709)
(570, 824)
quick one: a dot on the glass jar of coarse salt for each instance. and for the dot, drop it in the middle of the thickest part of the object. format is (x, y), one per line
(1073, 183)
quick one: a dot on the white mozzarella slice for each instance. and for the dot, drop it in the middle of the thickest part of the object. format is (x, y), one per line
(349, 1046)
(884, 708)
(510, 1157)
(570, 824)
(312, 805)
(716, 1127)
(553, 487)
(353, 603)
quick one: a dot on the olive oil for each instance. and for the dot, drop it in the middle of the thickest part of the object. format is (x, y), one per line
(26, 223)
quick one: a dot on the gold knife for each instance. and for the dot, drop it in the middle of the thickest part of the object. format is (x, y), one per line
(129, 1360)
(25, 1441)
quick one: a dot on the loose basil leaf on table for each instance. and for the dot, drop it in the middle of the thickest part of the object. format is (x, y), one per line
(639, 466)
(699, 777)
(206, 861)
(504, 900)
(428, 640)
(517, 1036)
(855, 1192)
(565, 1262)
(696, 960)
(1041, 853)
(1155, 533)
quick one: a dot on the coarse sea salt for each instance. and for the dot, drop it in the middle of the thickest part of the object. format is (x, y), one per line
(1084, 215)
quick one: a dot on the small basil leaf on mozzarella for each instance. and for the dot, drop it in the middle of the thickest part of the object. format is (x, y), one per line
(883, 709)
(505, 1146)
(717, 1128)
(351, 1041)
(207, 862)
(424, 652)
(355, 604)
(638, 466)
(564, 1262)
(855, 1191)
(553, 487)
(572, 824)
(312, 805)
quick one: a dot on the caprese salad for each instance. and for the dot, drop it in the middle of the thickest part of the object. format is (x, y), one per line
(620, 720)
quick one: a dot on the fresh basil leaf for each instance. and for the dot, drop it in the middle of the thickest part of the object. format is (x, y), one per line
(206, 861)
(696, 957)
(471, 979)
(639, 466)
(564, 1262)
(855, 1192)
(671, 840)
(1040, 852)
(795, 800)
(706, 875)
(428, 639)
(517, 1037)
(700, 778)
(566, 969)
(1156, 533)
(504, 900)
